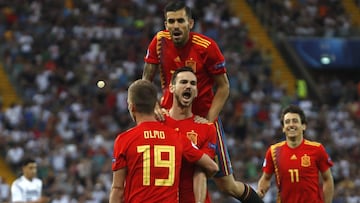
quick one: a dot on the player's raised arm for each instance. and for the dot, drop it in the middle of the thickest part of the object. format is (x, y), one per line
(149, 71)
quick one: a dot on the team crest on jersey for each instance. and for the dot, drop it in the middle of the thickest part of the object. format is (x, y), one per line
(305, 161)
(191, 63)
(192, 136)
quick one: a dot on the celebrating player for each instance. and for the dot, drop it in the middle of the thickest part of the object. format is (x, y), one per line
(193, 181)
(297, 163)
(147, 158)
(176, 47)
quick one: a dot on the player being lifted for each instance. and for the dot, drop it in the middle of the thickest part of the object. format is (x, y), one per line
(176, 47)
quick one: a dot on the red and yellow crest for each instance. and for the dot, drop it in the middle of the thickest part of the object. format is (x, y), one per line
(192, 136)
(305, 161)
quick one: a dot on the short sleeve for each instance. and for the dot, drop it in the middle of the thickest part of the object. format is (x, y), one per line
(215, 60)
(325, 161)
(119, 158)
(151, 53)
(209, 146)
(268, 164)
(16, 194)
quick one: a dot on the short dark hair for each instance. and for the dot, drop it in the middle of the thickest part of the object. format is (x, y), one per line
(27, 161)
(293, 109)
(179, 70)
(143, 94)
(177, 5)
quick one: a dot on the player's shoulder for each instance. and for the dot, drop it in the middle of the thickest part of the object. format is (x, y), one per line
(312, 143)
(278, 145)
(37, 181)
(127, 135)
(201, 40)
(17, 181)
(21, 181)
(163, 34)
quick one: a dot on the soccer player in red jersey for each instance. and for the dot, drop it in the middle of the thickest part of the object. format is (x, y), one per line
(193, 181)
(297, 163)
(147, 158)
(176, 47)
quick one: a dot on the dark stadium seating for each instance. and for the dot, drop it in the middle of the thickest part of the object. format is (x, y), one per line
(54, 52)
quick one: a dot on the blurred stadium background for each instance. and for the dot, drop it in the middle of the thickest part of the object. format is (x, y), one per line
(53, 52)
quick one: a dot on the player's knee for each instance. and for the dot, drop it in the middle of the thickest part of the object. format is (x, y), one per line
(227, 185)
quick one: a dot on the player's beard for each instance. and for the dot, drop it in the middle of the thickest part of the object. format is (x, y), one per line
(180, 103)
(180, 40)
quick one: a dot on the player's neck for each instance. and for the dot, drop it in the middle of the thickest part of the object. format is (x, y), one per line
(182, 45)
(180, 113)
(29, 178)
(140, 118)
(293, 143)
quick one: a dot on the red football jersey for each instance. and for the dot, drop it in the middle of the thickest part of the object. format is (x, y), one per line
(152, 153)
(203, 135)
(201, 53)
(297, 170)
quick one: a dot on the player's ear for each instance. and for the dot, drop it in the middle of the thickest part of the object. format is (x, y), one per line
(131, 107)
(171, 88)
(303, 126)
(191, 23)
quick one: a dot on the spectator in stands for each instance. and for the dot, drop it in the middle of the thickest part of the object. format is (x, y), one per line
(28, 188)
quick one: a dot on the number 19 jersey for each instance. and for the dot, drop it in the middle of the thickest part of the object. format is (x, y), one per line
(152, 153)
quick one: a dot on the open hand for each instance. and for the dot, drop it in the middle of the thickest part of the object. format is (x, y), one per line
(160, 112)
(199, 119)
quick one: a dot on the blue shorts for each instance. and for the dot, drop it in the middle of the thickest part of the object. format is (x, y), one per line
(222, 155)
